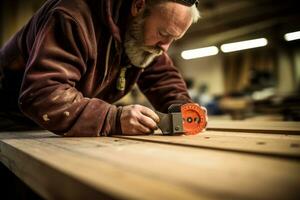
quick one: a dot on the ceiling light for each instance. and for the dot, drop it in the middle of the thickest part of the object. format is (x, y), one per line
(199, 53)
(248, 44)
(292, 36)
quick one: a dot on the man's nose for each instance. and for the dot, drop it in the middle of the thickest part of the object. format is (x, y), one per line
(164, 45)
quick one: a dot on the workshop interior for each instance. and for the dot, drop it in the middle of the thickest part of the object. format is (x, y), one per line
(241, 60)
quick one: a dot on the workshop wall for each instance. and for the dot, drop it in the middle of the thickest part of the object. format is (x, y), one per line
(208, 71)
(14, 15)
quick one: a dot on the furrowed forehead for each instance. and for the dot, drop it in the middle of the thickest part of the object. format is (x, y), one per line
(173, 12)
(175, 17)
(174, 22)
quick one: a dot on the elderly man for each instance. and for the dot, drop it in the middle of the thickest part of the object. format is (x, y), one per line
(74, 58)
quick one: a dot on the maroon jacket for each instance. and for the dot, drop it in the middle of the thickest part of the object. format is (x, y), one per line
(69, 69)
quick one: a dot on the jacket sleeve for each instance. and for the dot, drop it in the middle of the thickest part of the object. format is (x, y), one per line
(163, 85)
(48, 95)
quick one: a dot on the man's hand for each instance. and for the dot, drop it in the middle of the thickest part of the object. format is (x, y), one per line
(138, 120)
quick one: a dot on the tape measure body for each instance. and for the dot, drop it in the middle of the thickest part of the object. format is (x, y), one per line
(194, 118)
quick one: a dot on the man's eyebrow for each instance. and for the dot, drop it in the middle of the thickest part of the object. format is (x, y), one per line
(172, 35)
(176, 36)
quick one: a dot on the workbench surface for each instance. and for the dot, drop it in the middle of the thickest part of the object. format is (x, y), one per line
(228, 161)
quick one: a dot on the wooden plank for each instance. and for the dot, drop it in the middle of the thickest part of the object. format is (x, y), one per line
(291, 128)
(122, 168)
(51, 167)
(254, 143)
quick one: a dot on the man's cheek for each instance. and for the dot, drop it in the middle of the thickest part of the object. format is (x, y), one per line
(149, 42)
(149, 38)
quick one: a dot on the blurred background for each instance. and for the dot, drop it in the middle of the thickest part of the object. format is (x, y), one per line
(241, 60)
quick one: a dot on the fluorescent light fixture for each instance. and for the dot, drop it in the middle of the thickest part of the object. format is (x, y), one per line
(292, 36)
(248, 44)
(199, 53)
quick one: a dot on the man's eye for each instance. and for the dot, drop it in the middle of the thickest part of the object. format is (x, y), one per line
(163, 34)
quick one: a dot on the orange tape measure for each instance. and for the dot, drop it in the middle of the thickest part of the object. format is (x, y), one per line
(194, 118)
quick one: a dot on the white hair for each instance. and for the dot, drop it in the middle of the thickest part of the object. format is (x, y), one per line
(195, 13)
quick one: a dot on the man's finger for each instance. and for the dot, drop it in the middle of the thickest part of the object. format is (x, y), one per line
(147, 122)
(142, 129)
(150, 113)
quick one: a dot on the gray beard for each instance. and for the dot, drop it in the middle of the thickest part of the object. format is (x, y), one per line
(140, 55)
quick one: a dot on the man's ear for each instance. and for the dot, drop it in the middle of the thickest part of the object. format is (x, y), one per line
(137, 6)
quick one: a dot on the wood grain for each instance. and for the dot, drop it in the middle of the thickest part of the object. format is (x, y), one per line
(253, 143)
(291, 128)
(56, 170)
(122, 168)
